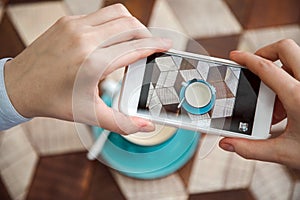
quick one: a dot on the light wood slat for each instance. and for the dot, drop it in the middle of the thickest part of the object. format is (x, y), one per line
(205, 18)
(80, 7)
(170, 187)
(32, 19)
(51, 136)
(254, 39)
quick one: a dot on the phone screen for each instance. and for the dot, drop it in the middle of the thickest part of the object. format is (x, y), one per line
(227, 102)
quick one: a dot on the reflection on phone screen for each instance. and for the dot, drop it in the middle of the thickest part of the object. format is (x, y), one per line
(235, 89)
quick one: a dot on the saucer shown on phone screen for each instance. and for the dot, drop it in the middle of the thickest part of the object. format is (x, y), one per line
(198, 96)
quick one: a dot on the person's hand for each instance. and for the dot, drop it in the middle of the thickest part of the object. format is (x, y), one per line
(60, 71)
(285, 148)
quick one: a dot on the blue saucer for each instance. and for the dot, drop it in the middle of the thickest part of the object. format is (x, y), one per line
(194, 110)
(149, 161)
(186, 156)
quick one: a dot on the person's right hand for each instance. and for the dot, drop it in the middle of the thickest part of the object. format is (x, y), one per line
(58, 74)
(285, 82)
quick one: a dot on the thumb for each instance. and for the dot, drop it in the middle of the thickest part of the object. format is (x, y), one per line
(118, 122)
(266, 150)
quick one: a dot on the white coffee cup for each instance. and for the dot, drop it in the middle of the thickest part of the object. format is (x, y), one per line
(198, 94)
(161, 134)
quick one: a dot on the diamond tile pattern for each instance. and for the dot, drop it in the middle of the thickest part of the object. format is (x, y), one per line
(45, 158)
(199, 23)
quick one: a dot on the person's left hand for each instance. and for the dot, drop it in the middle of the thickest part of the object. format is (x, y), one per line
(58, 74)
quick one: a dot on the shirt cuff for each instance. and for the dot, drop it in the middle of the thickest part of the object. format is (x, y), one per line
(9, 117)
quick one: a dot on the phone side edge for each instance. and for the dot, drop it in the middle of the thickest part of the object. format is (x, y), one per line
(120, 108)
(204, 57)
(263, 112)
(129, 94)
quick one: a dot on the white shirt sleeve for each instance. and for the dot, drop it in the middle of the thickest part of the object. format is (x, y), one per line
(9, 117)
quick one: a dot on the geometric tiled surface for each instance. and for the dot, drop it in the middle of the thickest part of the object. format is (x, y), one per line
(44, 159)
(265, 12)
(62, 136)
(1, 9)
(255, 38)
(51, 12)
(262, 185)
(82, 179)
(207, 18)
(18, 161)
(170, 187)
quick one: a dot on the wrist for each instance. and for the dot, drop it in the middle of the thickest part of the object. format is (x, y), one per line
(9, 116)
(15, 88)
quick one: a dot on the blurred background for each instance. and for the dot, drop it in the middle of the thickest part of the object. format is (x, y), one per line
(45, 159)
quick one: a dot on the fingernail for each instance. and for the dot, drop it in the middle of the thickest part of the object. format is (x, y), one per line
(148, 128)
(167, 43)
(145, 125)
(235, 52)
(227, 147)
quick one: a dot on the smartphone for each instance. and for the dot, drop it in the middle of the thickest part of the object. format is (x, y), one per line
(198, 92)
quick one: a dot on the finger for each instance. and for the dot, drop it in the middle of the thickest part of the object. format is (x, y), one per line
(123, 54)
(105, 14)
(276, 78)
(278, 129)
(115, 121)
(129, 52)
(120, 30)
(287, 69)
(287, 51)
(279, 112)
(251, 149)
(282, 149)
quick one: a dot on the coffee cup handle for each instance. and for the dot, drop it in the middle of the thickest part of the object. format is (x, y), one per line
(181, 102)
(184, 84)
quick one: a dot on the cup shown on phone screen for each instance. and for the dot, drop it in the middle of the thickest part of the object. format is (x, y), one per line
(197, 96)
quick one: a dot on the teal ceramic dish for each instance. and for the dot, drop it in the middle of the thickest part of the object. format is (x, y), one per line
(148, 162)
(200, 110)
(171, 168)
